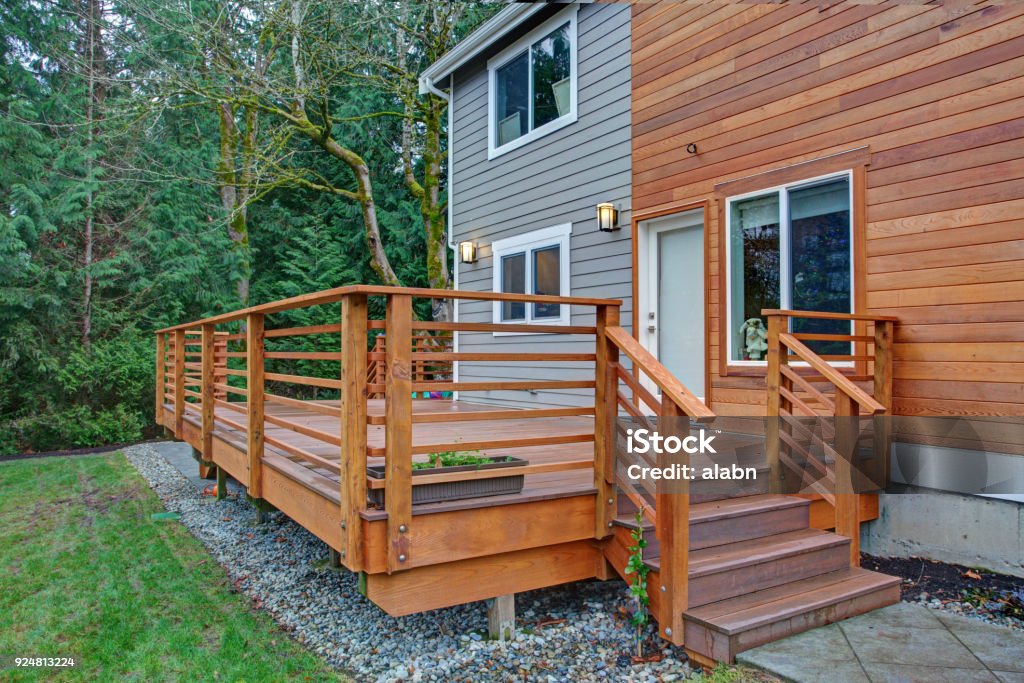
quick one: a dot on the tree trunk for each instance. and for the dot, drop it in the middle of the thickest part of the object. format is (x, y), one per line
(428, 192)
(434, 223)
(232, 199)
(94, 62)
(379, 261)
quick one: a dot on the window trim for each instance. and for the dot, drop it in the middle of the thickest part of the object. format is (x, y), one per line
(784, 256)
(524, 44)
(527, 243)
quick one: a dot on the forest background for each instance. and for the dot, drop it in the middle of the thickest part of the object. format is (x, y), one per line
(165, 160)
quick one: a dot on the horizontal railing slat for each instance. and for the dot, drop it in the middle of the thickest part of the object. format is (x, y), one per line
(300, 331)
(520, 414)
(437, 356)
(304, 405)
(304, 355)
(308, 381)
(528, 385)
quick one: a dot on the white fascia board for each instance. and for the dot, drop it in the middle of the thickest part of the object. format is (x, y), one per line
(491, 31)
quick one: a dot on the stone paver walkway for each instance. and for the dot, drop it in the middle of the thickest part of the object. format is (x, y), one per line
(179, 454)
(903, 643)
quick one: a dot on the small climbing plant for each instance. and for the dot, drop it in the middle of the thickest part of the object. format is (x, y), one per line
(638, 586)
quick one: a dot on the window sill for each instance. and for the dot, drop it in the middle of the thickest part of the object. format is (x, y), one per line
(535, 134)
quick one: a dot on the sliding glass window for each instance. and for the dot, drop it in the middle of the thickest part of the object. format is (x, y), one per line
(790, 248)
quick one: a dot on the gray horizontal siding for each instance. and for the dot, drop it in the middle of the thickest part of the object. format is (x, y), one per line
(559, 178)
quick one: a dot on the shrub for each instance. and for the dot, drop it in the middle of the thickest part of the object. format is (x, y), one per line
(113, 371)
(75, 427)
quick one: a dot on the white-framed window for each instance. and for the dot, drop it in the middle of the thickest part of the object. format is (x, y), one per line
(532, 85)
(789, 247)
(534, 263)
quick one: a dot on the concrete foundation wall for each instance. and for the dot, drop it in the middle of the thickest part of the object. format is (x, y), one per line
(949, 527)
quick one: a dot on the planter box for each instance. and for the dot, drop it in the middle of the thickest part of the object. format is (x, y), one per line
(456, 490)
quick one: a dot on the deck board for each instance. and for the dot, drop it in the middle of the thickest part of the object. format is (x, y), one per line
(543, 486)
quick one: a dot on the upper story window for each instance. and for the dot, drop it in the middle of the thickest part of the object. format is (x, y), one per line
(532, 88)
(534, 263)
(789, 247)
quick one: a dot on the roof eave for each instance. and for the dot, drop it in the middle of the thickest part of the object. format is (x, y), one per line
(483, 37)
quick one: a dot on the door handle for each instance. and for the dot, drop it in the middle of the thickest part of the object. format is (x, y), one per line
(652, 328)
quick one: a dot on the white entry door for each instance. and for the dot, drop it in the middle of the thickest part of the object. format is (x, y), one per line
(671, 292)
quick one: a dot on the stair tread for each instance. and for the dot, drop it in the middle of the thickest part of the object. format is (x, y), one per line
(743, 553)
(739, 554)
(759, 608)
(728, 508)
(745, 505)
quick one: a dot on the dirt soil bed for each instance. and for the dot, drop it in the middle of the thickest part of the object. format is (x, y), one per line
(968, 590)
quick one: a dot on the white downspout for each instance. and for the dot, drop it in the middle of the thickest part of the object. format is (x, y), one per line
(427, 86)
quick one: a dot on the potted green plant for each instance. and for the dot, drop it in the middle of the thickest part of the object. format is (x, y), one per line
(456, 461)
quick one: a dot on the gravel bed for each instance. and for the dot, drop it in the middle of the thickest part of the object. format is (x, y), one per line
(568, 633)
(969, 591)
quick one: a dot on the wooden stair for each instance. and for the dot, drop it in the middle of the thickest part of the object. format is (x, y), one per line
(758, 573)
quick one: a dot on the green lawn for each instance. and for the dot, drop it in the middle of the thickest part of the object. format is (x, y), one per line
(84, 571)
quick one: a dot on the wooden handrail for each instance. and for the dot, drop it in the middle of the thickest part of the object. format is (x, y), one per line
(825, 315)
(838, 379)
(659, 374)
(336, 295)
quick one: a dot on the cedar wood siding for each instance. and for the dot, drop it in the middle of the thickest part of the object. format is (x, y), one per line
(936, 95)
(559, 178)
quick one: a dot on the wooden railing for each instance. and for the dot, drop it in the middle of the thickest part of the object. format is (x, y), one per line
(181, 366)
(233, 397)
(795, 377)
(627, 394)
(422, 370)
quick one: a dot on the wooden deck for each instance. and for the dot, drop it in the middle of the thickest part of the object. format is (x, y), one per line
(327, 482)
(235, 401)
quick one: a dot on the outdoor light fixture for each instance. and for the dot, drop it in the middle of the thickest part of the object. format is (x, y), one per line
(467, 252)
(607, 217)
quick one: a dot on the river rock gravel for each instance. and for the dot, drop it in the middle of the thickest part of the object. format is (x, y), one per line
(576, 632)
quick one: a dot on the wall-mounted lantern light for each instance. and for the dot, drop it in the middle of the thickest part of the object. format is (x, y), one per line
(607, 217)
(467, 252)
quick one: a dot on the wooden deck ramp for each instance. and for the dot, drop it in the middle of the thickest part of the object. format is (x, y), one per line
(292, 412)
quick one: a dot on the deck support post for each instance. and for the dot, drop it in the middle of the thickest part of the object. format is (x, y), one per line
(847, 501)
(353, 427)
(673, 514)
(776, 358)
(263, 509)
(398, 431)
(207, 381)
(179, 381)
(254, 386)
(207, 469)
(222, 483)
(161, 376)
(883, 394)
(333, 558)
(605, 413)
(501, 617)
